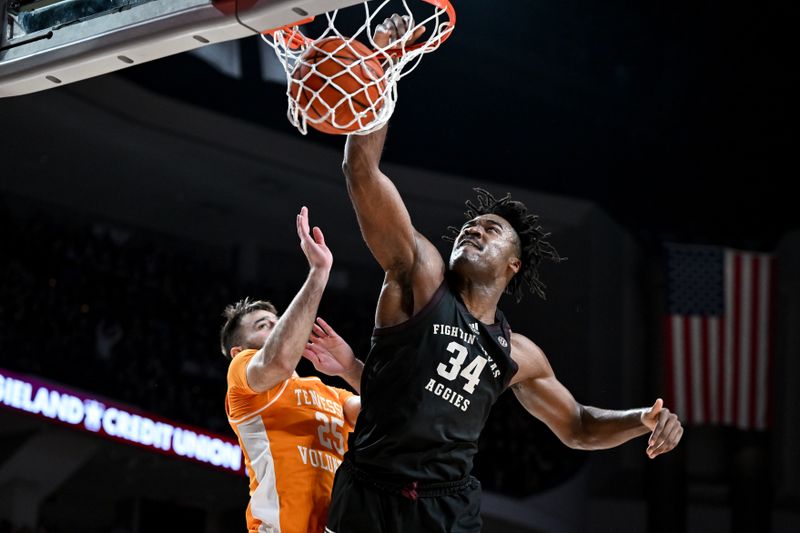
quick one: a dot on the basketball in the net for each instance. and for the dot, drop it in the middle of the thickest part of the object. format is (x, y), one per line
(333, 79)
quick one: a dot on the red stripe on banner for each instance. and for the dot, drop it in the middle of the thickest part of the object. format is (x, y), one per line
(755, 317)
(672, 396)
(705, 354)
(721, 372)
(770, 327)
(733, 316)
(687, 368)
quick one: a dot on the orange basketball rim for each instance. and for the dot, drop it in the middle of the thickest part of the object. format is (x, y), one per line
(397, 59)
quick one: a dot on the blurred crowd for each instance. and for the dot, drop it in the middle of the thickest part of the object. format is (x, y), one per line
(134, 316)
(7, 527)
(95, 307)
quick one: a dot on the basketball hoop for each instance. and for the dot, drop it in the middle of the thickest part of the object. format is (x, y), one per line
(318, 97)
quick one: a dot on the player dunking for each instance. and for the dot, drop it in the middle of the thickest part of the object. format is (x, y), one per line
(441, 355)
(292, 430)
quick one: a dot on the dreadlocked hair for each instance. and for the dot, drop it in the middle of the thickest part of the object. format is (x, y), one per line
(532, 240)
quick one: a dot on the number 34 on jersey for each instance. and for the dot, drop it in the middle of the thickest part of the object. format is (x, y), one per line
(460, 378)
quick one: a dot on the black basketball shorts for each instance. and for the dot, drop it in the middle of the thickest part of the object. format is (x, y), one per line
(362, 504)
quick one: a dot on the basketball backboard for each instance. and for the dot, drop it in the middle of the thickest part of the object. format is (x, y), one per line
(49, 43)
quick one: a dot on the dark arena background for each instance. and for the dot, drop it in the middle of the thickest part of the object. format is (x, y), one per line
(135, 205)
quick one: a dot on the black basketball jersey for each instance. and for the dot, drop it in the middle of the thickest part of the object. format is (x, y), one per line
(427, 388)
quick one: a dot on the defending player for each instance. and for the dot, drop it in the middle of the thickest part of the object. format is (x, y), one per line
(292, 430)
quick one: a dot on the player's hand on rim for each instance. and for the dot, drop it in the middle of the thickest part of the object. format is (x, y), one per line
(394, 30)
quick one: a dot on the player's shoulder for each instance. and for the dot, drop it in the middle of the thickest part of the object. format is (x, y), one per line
(237, 372)
(240, 361)
(524, 346)
(528, 355)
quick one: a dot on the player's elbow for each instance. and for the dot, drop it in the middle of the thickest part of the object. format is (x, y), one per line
(360, 185)
(280, 365)
(283, 367)
(261, 377)
(573, 439)
(352, 177)
(351, 168)
(357, 168)
(577, 436)
(579, 441)
(355, 174)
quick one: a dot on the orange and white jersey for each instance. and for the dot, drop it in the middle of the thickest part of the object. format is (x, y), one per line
(293, 438)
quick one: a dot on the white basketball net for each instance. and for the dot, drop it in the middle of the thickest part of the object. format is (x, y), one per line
(398, 59)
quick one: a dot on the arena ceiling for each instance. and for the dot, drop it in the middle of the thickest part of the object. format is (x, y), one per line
(675, 117)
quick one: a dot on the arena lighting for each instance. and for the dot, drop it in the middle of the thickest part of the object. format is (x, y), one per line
(117, 422)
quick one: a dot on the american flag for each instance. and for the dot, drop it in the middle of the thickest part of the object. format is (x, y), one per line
(718, 335)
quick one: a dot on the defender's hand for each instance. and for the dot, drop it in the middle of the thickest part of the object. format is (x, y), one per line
(329, 352)
(318, 255)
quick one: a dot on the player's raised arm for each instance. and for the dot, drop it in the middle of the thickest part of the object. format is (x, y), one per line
(278, 357)
(414, 269)
(382, 215)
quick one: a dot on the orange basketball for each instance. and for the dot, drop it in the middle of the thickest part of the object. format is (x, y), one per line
(328, 72)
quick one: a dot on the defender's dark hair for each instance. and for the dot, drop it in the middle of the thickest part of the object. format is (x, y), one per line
(229, 334)
(532, 240)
